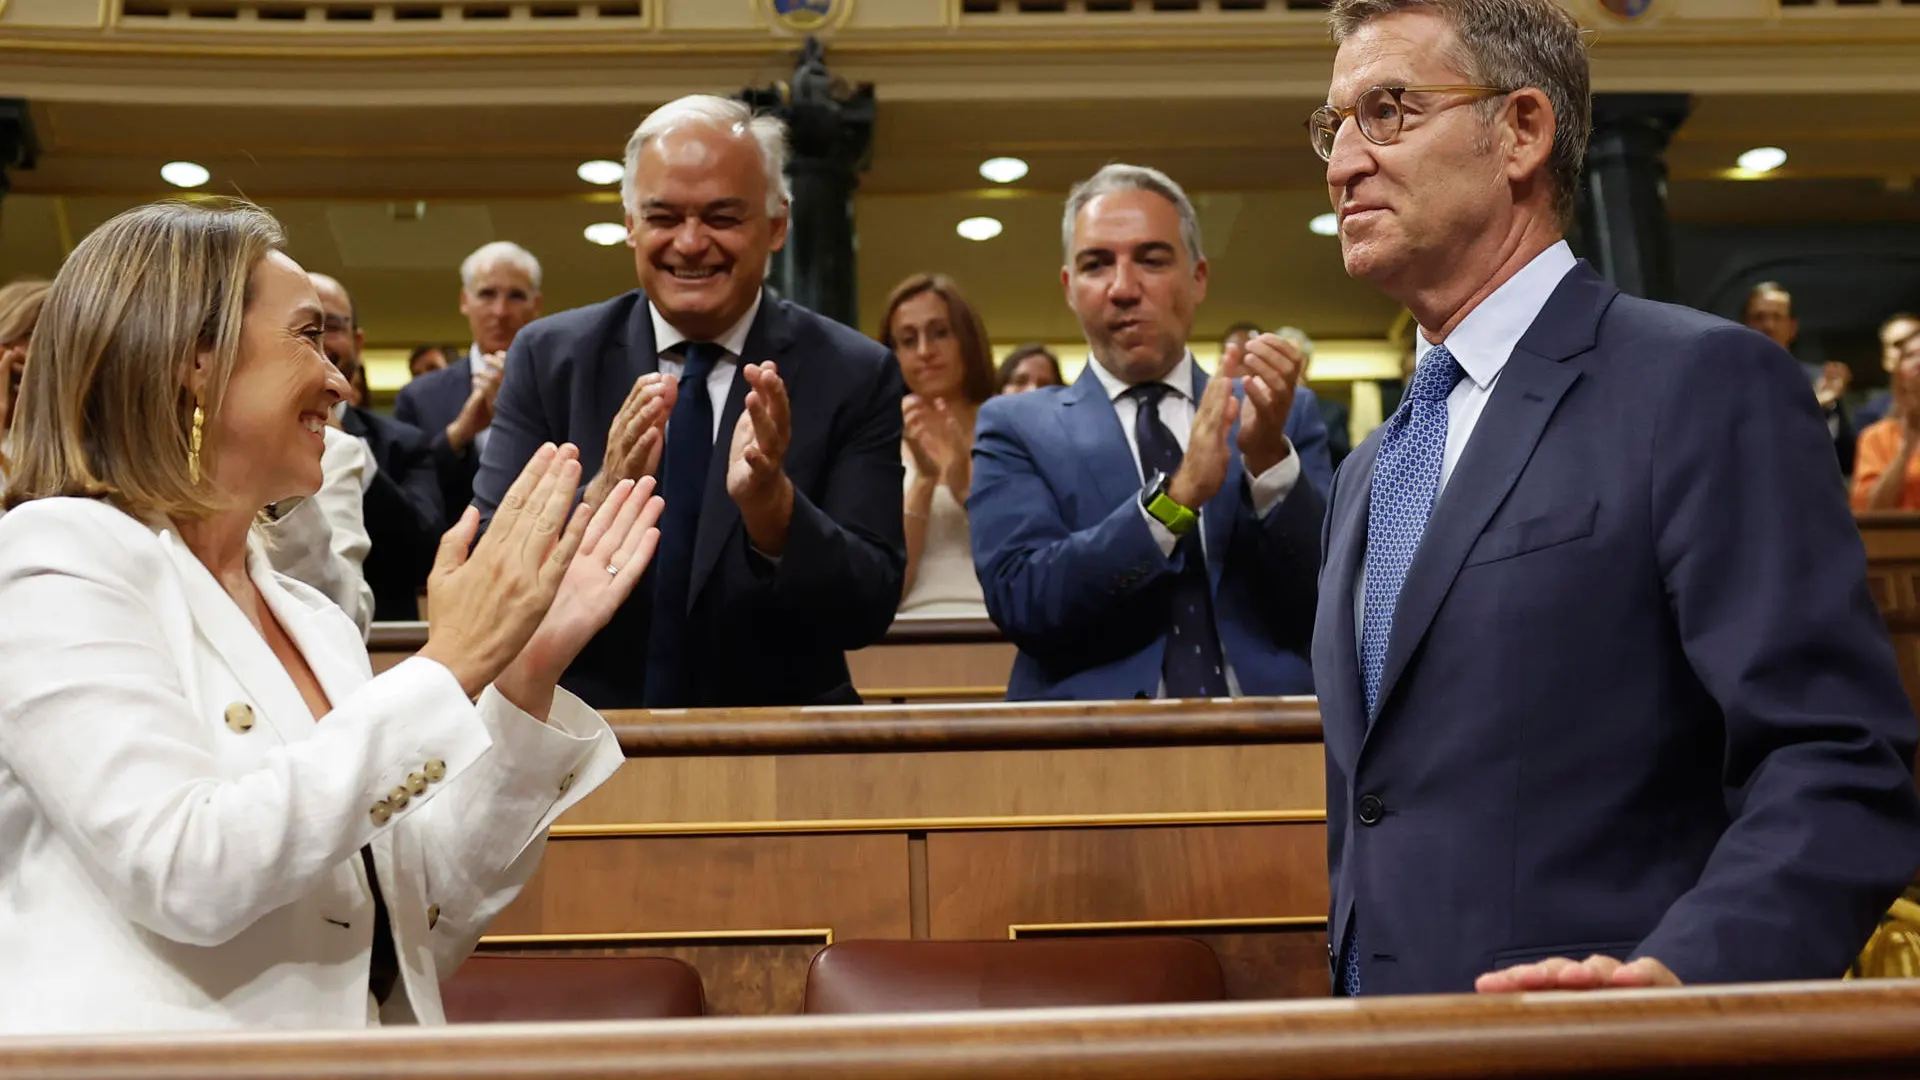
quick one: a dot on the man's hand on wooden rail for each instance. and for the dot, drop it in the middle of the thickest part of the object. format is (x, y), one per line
(1563, 973)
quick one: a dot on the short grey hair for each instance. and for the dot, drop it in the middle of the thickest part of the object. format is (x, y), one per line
(1116, 178)
(488, 256)
(1511, 44)
(769, 135)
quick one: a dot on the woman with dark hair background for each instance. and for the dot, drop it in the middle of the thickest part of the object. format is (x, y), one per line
(944, 357)
(1029, 367)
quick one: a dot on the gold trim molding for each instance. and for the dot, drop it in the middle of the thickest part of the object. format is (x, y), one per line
(938, 824)
(1278, 922)
(811, 935)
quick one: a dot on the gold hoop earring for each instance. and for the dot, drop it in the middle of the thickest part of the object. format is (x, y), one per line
(193, 450)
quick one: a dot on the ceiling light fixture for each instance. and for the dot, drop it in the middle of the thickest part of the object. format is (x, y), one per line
(1003, 170)
(979, 228)
(1327, 224)
(184, 174)
(607, 233)
(1762, 159)
(600, 171)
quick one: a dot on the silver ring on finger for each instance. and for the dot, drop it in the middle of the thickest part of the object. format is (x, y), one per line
(612, 569)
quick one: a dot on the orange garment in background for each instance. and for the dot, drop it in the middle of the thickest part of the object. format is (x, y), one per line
(1879, 444)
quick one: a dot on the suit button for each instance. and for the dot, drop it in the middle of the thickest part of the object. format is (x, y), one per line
(1370, 809)
(433, 916)
(417, 783)
(436, 771)
(380, 813)
(240, 717)
(566, 783)
(398, 798)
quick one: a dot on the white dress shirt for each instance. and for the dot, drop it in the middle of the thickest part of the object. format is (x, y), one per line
(1268, 489)
(1481, 343)
(720, 379)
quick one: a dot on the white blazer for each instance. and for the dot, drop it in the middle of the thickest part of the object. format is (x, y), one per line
(179, 840)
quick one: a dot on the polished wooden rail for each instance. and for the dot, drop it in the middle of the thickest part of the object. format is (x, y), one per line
(993, 726)
(1828, 1030)
(410, 636)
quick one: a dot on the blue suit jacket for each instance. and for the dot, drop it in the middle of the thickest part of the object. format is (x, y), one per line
(760, 633)
(1071, 571)
(430, 403)
(1637, 699)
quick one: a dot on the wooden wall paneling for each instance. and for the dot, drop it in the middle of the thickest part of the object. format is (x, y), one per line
(1272, 778)
(981, 667)
(743, 979)
(984, 884)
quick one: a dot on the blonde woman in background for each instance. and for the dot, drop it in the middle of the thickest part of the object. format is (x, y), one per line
(215, 815)
(948, 367)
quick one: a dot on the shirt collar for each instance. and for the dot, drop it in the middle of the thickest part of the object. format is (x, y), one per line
(1180, 378)
(1488, 335)
(734, 340)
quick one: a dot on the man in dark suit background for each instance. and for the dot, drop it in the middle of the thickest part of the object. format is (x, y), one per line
(1148, 531)
(774, 432)
(401, 507)
(1769, 309)
(499, 294)
(1606, 700)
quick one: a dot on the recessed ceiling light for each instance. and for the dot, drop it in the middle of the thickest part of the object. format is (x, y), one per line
(184, 174)
(1003, 170)
(1327, 224)
(600, 171)
(979, 228)
(1762, 159)
(607, 233)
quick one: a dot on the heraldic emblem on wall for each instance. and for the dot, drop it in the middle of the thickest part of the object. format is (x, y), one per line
(807, 16)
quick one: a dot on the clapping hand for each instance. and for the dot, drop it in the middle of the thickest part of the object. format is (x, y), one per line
(618, 545)
(1204, 468)
(637, 436)
(938, 441)
(1270, 367)
(487, 599)
(756, 460)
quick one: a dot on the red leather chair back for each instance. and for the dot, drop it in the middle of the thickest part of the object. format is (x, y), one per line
(498, 988)
(922, 976)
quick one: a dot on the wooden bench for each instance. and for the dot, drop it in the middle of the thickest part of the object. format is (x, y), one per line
(1830, 1031)
(743, 841)
(920, 659)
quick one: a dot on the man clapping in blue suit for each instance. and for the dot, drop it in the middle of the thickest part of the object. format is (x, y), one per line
(1148, 531)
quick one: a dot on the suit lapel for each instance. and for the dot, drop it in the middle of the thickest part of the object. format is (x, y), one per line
(1346, 541)
(769, 338)
(1099, 445)
(245, 653)
(1530, 388)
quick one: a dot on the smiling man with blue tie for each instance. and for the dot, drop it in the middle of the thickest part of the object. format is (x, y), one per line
(1606, 700)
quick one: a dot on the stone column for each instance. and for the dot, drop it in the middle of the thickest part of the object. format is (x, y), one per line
(17, 145)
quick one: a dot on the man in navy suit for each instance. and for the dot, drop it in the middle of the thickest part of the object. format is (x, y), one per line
(774, 434)
(401, 507)
(1606, 700)
(499, 294)
(1149, 531)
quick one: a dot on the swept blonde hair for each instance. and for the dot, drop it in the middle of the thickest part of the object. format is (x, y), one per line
(106, 409)
(19, 310)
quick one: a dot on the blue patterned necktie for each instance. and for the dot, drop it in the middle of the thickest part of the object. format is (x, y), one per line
(1192, 665)
(1406, 478)
(683, 481)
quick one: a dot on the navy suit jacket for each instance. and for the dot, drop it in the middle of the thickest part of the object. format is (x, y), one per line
(763, 633)
(430, 403)
(1072, 574)
(1637, 700)
(403, 512)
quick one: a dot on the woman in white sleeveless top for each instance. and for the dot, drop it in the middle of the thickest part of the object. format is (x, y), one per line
(948, 366)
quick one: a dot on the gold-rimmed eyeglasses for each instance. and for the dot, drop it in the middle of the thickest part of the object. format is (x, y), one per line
(1378, 114)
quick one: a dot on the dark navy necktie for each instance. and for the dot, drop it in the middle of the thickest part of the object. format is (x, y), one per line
(1193, 665)
(683, 480)
(1406, 480)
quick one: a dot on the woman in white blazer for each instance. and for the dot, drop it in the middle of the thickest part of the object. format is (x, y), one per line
(212, 813)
